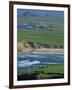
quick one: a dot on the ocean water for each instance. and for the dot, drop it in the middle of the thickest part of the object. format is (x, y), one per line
(39, 58)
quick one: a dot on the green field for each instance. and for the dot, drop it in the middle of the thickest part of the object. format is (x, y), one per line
(42, 72)
(54, 36)
(41, 36)
(50, 68)
(37, 19)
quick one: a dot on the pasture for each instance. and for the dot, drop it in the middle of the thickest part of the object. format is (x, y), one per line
(42, 72)
(55, 35)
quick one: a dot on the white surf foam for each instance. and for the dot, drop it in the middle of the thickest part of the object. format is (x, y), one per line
(27, 63)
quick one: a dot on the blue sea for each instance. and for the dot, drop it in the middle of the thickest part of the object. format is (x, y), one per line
(39, 58)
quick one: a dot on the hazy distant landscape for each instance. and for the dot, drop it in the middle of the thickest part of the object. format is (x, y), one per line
(40, 33)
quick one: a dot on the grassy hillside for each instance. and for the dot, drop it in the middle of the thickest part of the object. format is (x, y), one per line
(50, 68)
(54, 36)
(42, 72)
(37, 19)
(44, 36)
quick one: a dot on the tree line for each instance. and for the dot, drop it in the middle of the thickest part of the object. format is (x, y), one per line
(42, 45)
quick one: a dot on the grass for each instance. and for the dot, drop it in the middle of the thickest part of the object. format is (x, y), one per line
(42, 72)
(36, 19)
(59, 68)
(41, 36)
(56, 36)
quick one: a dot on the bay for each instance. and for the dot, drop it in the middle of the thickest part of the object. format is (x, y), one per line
(37, 58)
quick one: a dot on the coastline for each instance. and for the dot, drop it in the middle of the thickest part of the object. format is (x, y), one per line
(43, 50)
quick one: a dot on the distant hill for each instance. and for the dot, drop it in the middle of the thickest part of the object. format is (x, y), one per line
(31, 12)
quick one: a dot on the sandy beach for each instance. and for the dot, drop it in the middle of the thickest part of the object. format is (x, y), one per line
(44, 50)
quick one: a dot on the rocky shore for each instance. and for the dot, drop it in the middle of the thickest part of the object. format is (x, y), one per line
(30, 46)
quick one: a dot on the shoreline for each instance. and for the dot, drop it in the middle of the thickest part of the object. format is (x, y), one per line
(43, 50)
